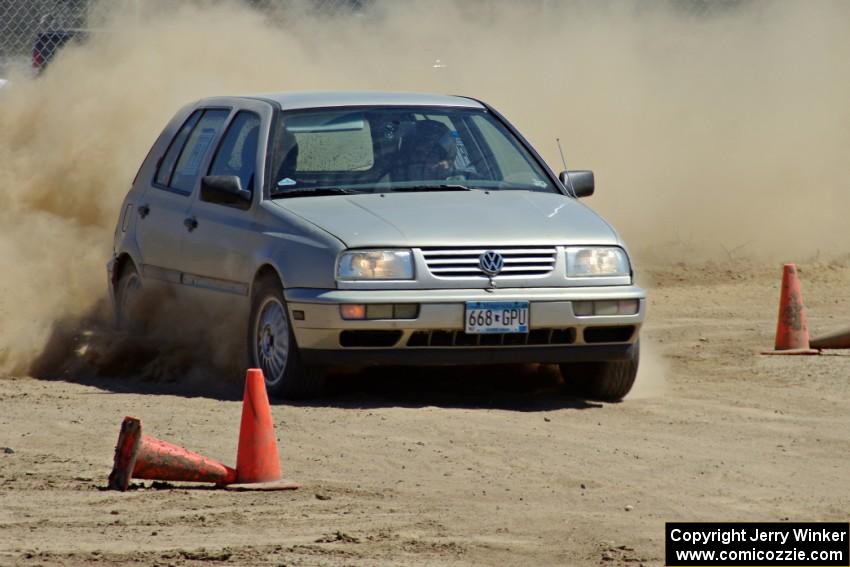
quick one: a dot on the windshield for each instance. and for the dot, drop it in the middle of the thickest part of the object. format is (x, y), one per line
(388, 149)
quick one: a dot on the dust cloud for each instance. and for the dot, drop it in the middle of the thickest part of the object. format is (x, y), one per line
(653, 371)
(716, 130)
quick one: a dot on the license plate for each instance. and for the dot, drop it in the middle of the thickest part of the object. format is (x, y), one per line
(484, 317)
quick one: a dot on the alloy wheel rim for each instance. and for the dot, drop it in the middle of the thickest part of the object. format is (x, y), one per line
(271, 340)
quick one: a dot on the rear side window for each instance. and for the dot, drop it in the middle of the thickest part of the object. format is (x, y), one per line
(237, 153)
(197, 147)
(163, 174)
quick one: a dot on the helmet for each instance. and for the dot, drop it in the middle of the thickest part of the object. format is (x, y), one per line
(429, 151)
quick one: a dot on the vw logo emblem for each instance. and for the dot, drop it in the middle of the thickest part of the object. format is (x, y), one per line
(491, 263)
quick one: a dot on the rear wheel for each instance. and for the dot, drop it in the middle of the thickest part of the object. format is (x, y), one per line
(272, 346)
(608, 381)
(128, 291)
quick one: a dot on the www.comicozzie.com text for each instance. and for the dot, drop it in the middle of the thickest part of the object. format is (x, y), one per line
(756, 534)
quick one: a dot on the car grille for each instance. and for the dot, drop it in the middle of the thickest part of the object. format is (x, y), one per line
(369, 338)
(608, 334)
(462, 339)
(462, 262)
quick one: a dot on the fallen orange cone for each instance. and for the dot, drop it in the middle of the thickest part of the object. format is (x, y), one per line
(257, 460)
(144, 457)
(836, 340)
(792, 331)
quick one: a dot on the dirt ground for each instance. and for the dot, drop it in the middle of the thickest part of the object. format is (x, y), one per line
(468, 467)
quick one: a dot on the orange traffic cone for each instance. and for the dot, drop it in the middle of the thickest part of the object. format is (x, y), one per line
(792, 332)
(257, 461)
(144, 457)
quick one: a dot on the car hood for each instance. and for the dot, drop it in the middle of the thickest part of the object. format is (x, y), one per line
(442, 218)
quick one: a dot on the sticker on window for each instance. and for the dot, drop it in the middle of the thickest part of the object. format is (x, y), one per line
(286, 181)
(205, 138)
(462, 161)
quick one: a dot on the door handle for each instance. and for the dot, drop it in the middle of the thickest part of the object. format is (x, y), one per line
(190, 223)
(144, 210)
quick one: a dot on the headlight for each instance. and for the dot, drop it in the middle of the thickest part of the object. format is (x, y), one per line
(375, 265)
(597, 261)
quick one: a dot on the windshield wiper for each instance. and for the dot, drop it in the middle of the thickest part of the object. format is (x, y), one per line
(313, 191)
(439, 187)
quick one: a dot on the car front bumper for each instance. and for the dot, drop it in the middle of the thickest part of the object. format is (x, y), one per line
(436, 336)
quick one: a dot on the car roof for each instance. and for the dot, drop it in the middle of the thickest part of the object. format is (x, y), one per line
(324, 99)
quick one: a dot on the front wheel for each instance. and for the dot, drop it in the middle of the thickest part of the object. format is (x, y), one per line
(608, 380)
(272, 346)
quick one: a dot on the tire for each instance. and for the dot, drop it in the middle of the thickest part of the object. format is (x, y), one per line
(608, 381)
(127, 294)
(272, 346)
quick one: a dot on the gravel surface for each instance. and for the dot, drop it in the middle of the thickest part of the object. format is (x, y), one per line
(461, 467)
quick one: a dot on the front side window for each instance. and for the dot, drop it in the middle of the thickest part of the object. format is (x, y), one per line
(197, 147)
(237, 153)
(382, 149)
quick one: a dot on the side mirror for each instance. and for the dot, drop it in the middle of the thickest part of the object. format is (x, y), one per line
(225, 190)
(581, 181)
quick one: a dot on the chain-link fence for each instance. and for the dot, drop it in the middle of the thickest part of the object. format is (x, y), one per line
(33, 31)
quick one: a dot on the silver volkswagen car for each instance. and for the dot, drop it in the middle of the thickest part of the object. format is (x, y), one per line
(379, 228)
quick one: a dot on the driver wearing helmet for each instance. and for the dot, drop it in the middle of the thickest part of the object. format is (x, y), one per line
(428, 152)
